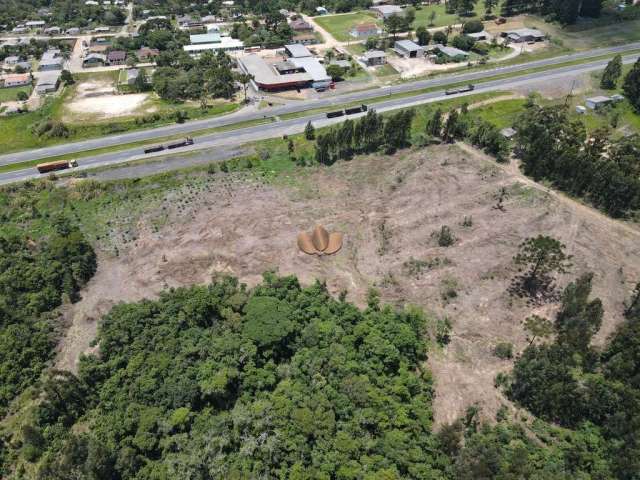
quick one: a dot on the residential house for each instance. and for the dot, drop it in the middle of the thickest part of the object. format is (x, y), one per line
(346, 64)
(365, 30)
(26, 66)
(304, 39)
(53, 31)
(102, 29)
(94, 60)
(51, 60)
(408, 49)
(48, 82)
(374, 57)
(117, 57)
(35, 24)
(385, 11)
(72, 31)
(11, 61)
(522, 35)
(480, 36)
(15, 80)
(300, 26)
(146, 54)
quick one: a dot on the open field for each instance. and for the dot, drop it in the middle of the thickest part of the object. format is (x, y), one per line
(340, 25)
(181, 229)
(442, 18)
(10, 94)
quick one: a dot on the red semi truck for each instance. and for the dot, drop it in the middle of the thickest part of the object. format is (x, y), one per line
(59, 165)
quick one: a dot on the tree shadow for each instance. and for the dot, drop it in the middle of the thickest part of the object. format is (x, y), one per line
(538, 291)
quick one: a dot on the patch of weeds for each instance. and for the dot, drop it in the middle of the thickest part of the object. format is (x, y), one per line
(449, 289)
(467, 221)
(443, 331)
(388, 280)
(385, 238)
(415, 267)
(502, 380)
(444, 236)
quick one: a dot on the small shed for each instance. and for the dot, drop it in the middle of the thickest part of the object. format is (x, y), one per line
(594, 103)
(508, 132)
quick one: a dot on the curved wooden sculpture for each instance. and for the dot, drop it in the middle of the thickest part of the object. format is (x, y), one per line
(320, 242)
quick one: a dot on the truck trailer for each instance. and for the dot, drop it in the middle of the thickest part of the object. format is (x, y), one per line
(53, 166)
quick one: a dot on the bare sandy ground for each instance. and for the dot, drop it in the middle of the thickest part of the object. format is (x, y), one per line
(98, 99)
(388, 208)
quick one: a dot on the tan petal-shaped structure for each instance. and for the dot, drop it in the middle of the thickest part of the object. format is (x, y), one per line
(335, 243)
(306, 244)
(320, 238)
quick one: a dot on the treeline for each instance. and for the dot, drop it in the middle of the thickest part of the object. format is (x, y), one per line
(157, 33)
(365, 135)
(460, 124)
(61, 13)
(35, 278)
(565, 11)
(556, 147)
(576, 385)
(181, 77)
(274, 31)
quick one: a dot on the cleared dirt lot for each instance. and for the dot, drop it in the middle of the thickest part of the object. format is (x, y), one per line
(388, 209)
(97, 99)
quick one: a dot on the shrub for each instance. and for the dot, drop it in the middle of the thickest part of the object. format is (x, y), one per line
(473, 26)
(445, 237)
(22, 96)
(503, 350)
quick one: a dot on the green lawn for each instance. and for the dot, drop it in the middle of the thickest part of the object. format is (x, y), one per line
(442, 18)
(340, 25)
(11, 94)
(503, 113)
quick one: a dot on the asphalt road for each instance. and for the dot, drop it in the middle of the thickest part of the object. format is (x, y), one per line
(241, 136)
(189, 127)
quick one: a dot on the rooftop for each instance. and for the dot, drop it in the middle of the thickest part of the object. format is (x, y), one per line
(212, 37)
(408, 45)
(297, 51)
(452, 51)
(387, 9)
(374, 54)
(526, 32)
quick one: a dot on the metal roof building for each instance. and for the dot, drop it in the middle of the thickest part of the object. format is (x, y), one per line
(297, 51)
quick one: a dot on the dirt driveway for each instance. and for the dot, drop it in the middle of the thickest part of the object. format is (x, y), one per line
(388, 208)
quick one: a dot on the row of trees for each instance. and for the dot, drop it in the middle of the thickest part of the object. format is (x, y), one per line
(460, 124)
(364, 135)
(565, 11)
(556, 147)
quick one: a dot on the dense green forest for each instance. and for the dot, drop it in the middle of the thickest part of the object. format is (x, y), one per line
(35, 278)
(287, 382)
(62, 13)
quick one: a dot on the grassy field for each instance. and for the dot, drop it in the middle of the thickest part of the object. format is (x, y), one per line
(442, 18)
(340, 25)
(11, 94)
(503, 113)
(385, 70)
